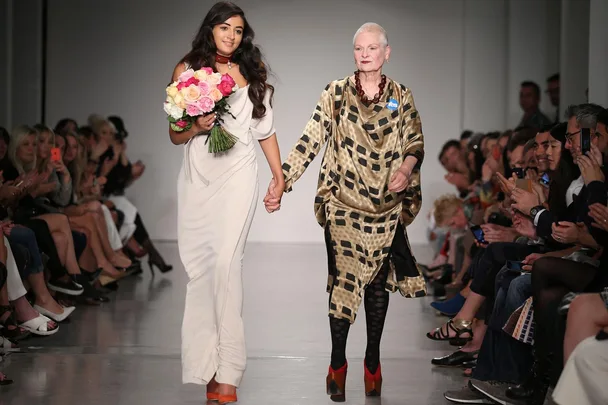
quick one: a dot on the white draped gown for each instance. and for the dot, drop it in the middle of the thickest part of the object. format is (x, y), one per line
(217, 198)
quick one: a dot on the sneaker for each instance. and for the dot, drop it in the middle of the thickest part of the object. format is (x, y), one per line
(68, 287)
(495, 390)
(466, 395)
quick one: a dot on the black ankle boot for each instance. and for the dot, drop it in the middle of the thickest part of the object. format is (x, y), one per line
(534, 389)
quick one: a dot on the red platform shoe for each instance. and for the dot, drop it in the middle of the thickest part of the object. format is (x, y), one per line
(373, 382)
(336, 383)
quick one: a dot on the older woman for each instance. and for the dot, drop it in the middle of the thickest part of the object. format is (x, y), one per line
(369, 191)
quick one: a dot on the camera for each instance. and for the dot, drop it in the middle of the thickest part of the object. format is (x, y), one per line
(499, 219)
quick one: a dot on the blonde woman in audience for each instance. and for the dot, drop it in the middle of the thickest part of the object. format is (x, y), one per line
(87, 218)
(23, 156)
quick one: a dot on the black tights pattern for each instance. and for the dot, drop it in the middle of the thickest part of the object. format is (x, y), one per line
(376, 306)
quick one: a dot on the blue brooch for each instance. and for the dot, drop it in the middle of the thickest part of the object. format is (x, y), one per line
(392, 104)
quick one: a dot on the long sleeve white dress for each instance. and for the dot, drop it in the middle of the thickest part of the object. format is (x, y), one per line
(217, 198)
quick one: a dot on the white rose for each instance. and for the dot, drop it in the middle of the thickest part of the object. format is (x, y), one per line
(173, 110)
(200, 75)
(215, 79)
(172, 90)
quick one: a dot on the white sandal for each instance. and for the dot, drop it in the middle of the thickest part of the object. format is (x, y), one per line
(39, 326)
(67, 311)
(6, 346)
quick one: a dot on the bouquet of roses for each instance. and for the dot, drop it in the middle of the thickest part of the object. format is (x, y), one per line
(200, 92)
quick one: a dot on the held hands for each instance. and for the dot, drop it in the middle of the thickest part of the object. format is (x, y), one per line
(272, 201)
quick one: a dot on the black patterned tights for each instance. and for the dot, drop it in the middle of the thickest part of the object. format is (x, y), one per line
(376, 306)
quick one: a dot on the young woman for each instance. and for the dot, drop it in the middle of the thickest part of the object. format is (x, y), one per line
(217, 196)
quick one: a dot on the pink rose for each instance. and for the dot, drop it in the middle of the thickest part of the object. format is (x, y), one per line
(204, 88)
(190, 81)
(229, 79)
(206, 104)
(186, 75)
(225, 88)
(193, 110)
(216, 95)
(207, 70)
(182, 123)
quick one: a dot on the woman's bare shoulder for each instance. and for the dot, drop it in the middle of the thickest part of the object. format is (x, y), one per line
(180, 68)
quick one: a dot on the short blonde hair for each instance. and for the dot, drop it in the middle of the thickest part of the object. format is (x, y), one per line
(376, 29)
(18, 136)
(445, 207)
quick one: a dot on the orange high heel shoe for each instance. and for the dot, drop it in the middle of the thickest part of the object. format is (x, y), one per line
(373, 382)
(227, 399)
(336, 383)
(212, 395)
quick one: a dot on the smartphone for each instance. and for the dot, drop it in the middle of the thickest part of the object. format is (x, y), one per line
(585, 140)
(524, 184)
(545, 180)
(601, 335)
(478, 234)
(514, 265)
(496, 152)
(55, 154)
(519, 172)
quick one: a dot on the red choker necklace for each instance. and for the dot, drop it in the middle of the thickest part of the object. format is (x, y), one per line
(224, 60)
(361, 93)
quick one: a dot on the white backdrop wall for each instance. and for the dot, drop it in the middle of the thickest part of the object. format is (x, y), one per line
(461, 58)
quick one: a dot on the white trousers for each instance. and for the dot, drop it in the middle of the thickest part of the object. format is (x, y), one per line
(584, 380)
(14, 284)
(113, 235)
(130, 211)
(213, 224)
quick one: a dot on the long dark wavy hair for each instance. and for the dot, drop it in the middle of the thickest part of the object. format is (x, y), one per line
(566, 172)
(248, 56)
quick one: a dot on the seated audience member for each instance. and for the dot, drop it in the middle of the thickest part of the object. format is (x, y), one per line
(553, 278)
(454, 162)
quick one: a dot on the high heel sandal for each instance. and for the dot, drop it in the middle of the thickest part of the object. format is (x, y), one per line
(336, 383)
(460, 326)
(16, 333)
(373, 382)
(212, 395)
(163, 269)
(226, 399)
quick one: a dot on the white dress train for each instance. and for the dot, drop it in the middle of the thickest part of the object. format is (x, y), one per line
(217, 198)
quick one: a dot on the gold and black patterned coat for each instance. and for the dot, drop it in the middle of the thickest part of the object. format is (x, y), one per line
(366, 145)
